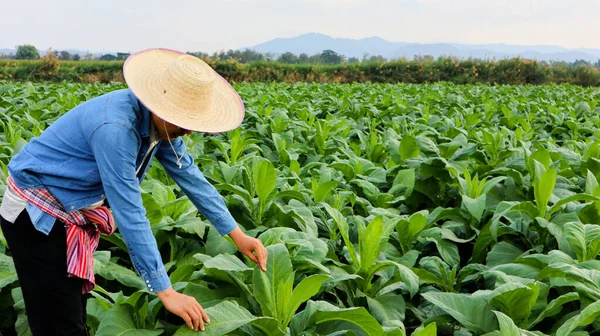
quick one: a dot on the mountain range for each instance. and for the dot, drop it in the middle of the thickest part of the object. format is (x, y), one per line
(313, 43)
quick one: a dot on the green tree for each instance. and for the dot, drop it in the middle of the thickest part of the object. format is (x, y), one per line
(76, 57)
(330, 57)
(288, 57)
(65, 56)
(303, 58)
(27, 52)
(108, 57)
(122, 56)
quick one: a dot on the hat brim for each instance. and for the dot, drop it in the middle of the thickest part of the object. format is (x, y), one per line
(143, 71)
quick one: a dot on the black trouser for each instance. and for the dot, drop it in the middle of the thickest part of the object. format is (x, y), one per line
(53, 302)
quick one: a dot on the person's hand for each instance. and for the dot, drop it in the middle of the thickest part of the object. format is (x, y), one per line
(251, 247)
(184, 306)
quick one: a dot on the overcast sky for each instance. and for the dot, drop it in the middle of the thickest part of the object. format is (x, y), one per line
(130, 25)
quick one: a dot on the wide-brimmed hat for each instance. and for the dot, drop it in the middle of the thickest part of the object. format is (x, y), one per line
(183, 90)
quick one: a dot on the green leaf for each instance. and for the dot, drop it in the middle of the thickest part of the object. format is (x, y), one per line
(303, 216)
(586, 317)
(471, 311)
(475, 206)
(554, 307)
(217, 244)
(591, 185)
(369, 245)
(387, 307)
(125, 276)
(573, 198)
(543, 189)
(408, 147)
(322, 191)
(342, 225)
(404, 183)
(303, 291)
(516, 302)
(266, 285)
(120, 321)
(410, 279)
(22, 324)
(429, 330)
(502, 253)
(227, 262)
(357, 316)
(225, 317)
(507, 326)
(8, 274)
(584, 238)
(264, 176)
(204, 295)
(409, 229)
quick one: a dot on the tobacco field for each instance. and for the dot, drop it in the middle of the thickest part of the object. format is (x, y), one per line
(405, 209)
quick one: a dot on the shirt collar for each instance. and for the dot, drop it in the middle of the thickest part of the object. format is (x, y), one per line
(146, 124)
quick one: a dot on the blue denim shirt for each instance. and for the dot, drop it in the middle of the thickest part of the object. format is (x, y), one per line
(92, 152)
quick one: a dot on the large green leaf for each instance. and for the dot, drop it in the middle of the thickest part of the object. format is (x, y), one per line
(544, 187)
(125, 276)
(264, 177)
(357, 316)
(585, 317)
(8, 274)
(369, 242)
(342, 226)
(387, 307)
(268, 285)
(409, 229)
(517, 301)
(429, 330)
(227, 262)
(225, 317)
(585, 240)
(473, 312)
(507, 325)
(554, 307)
(303, 291)
(120, 321)
(408, 147)
(475, 206)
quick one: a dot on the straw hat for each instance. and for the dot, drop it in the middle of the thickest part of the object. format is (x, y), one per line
(183, 90)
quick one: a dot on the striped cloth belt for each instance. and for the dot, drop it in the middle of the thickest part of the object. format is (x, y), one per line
(83, 231)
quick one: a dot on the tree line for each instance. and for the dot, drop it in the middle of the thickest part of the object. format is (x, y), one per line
(328, 57)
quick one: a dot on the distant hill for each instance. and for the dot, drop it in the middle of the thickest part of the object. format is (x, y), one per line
(313, 43)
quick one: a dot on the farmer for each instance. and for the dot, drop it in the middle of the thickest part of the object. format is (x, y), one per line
(62, 184)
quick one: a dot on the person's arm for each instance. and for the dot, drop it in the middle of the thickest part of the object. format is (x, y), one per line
(207, 199)
(115, 149)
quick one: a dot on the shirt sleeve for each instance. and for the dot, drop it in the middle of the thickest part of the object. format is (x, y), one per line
(193, 183)
(115, 149)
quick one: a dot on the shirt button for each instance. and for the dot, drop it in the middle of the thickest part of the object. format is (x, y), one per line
(72, 207)
(147, 281)
(152, 290)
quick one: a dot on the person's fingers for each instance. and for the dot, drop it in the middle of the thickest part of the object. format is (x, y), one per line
(195, 319)
(252, 257)
(198, 311)
(188, 320)
(261, 253)
(204, 314)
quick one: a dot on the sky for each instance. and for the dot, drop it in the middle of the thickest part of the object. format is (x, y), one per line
(208, 26)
